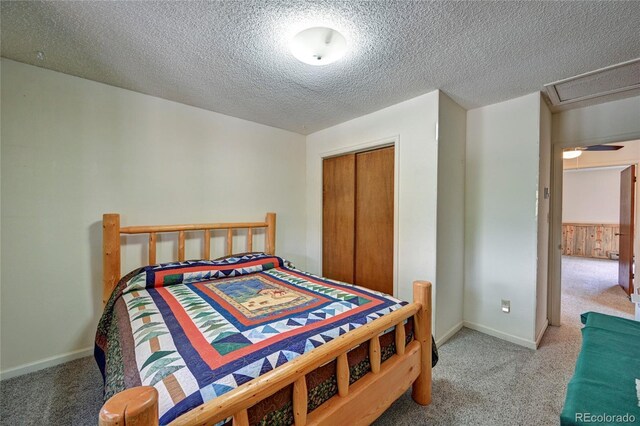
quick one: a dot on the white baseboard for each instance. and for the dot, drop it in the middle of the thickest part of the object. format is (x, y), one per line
(500, 335)
(539, 336)
(449, 334)
(44, 363)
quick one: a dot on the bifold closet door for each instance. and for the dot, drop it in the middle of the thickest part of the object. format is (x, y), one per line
(338, 217)
(374, 219)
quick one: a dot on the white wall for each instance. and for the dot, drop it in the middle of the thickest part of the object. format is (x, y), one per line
(73, 149)
(452, 129)
(412, 124)
(502, 167)
(591, 195)
(607, 122)
(544, 202)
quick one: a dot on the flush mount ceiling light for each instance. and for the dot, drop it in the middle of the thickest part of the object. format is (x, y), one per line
(318, 46)
(571, 153)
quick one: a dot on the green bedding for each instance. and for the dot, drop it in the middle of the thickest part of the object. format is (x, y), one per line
(603, 389)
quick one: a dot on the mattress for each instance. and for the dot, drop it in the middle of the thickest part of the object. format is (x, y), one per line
(197, 329)
(605, 387)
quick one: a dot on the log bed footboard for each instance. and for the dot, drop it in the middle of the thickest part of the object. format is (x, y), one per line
(359, 403)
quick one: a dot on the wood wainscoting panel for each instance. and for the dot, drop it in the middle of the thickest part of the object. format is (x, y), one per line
(590, 239)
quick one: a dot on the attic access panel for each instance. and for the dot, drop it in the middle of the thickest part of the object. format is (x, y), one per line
(605, 83)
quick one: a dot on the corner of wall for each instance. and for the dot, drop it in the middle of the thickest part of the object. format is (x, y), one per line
(452, 133)
(501, 183)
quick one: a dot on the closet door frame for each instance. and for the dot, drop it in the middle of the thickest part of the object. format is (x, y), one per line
(370, 146)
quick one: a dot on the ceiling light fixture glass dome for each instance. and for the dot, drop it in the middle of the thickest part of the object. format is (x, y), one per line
(318, 46)
(571, 153)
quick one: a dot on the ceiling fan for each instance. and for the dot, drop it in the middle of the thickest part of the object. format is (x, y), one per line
(569, 153)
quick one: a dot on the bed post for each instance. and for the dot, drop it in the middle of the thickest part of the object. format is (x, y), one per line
(110, 254)
(135, 406)
(422, 326)
(270, 243)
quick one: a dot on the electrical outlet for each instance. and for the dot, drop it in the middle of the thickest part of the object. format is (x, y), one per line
(506, 306)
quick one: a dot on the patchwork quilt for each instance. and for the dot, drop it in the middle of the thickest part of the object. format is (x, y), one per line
(197, 329)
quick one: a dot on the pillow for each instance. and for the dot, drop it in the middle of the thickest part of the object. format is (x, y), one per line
(194, 271)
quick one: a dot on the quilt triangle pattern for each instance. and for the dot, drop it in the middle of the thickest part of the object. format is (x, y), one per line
(241, 378)
(267, 329)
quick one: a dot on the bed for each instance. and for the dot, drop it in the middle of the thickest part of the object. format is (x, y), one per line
(605, 387)
(249, 339)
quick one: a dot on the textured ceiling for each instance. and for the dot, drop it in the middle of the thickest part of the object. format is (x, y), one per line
(232, 57)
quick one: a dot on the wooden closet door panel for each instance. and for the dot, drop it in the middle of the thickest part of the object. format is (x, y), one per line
(338, 217)
(374, 219)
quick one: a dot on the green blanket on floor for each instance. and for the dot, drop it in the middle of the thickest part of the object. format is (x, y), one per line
(605, 386)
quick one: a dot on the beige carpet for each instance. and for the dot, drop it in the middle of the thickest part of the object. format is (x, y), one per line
(486, 381)
(480, 380)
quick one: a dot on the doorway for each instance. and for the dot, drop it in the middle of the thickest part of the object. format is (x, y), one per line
(597, 204)
(592, 231)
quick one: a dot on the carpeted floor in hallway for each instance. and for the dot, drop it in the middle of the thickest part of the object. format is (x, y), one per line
(480, 380)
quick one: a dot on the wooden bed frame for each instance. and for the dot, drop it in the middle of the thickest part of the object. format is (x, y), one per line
(357, 404)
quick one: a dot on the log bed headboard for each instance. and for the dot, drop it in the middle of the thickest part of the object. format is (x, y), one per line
(111, 232)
